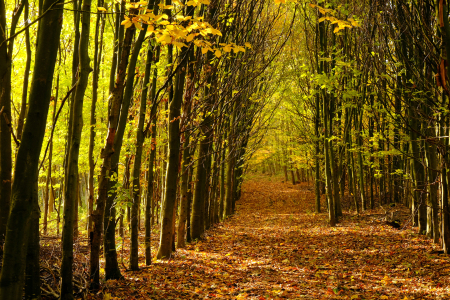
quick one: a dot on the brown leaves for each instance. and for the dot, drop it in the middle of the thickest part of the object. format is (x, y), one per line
(275, 247)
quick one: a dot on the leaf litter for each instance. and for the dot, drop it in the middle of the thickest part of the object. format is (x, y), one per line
(276, 247)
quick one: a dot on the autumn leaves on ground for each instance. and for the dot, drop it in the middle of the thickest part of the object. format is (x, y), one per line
(275, 247)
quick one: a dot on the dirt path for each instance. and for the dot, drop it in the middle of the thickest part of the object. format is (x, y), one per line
(275, 247)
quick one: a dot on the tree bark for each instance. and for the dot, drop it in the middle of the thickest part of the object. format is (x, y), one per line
(11, 278)
(71, 188)
(167, 217)
(32, 276)
(115, 99)
(151, 162)
(134, 255)
(93, 121)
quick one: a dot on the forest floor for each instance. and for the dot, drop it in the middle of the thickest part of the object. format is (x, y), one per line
(276, 247)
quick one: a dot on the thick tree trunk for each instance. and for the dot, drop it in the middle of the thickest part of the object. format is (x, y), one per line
(27, 162)
(32, 274)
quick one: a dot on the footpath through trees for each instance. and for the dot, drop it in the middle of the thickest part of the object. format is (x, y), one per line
(276, 247)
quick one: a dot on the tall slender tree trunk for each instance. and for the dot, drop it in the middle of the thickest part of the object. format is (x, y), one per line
(93, 121)
(26, 76)
(71, 187)
(317, 152)
(134, 256)
(5, 116)
(167, 214)
(115, 99)
(186, 160)
(149, 207)
(48, 194)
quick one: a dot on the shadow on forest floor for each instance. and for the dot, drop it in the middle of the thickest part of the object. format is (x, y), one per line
(275, 247)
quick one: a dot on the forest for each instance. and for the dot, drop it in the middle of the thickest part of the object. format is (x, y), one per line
(203, 149)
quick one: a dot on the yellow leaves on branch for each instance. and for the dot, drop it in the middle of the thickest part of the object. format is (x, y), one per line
(184, 29)
(137, 5)
(341, 24)
(197, 2)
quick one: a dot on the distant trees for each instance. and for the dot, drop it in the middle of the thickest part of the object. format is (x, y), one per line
(367, 90)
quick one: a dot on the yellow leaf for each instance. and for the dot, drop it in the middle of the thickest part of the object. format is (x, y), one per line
(218, 53)
(177, 2)
(237, 49)
(179, 45)
(228, 254)
(213, 31)
(190, 37)
(227, 48)
(183, 18)
(138, 26)
(280, 1)
(129, 24)
(162, 6)
(204, 50)
(353, 22)
(101, 8)
(248, 45)
(164, 38)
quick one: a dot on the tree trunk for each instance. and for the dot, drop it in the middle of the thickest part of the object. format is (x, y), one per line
(115, 99)
(27, 162)
(32, 276)
(26, 76)
(71, 189)
(166, 237)
(186, 162)
(93, 120)
(151, 162)
(134, 256)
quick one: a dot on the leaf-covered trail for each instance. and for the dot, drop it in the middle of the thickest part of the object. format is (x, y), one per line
(275, 247)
